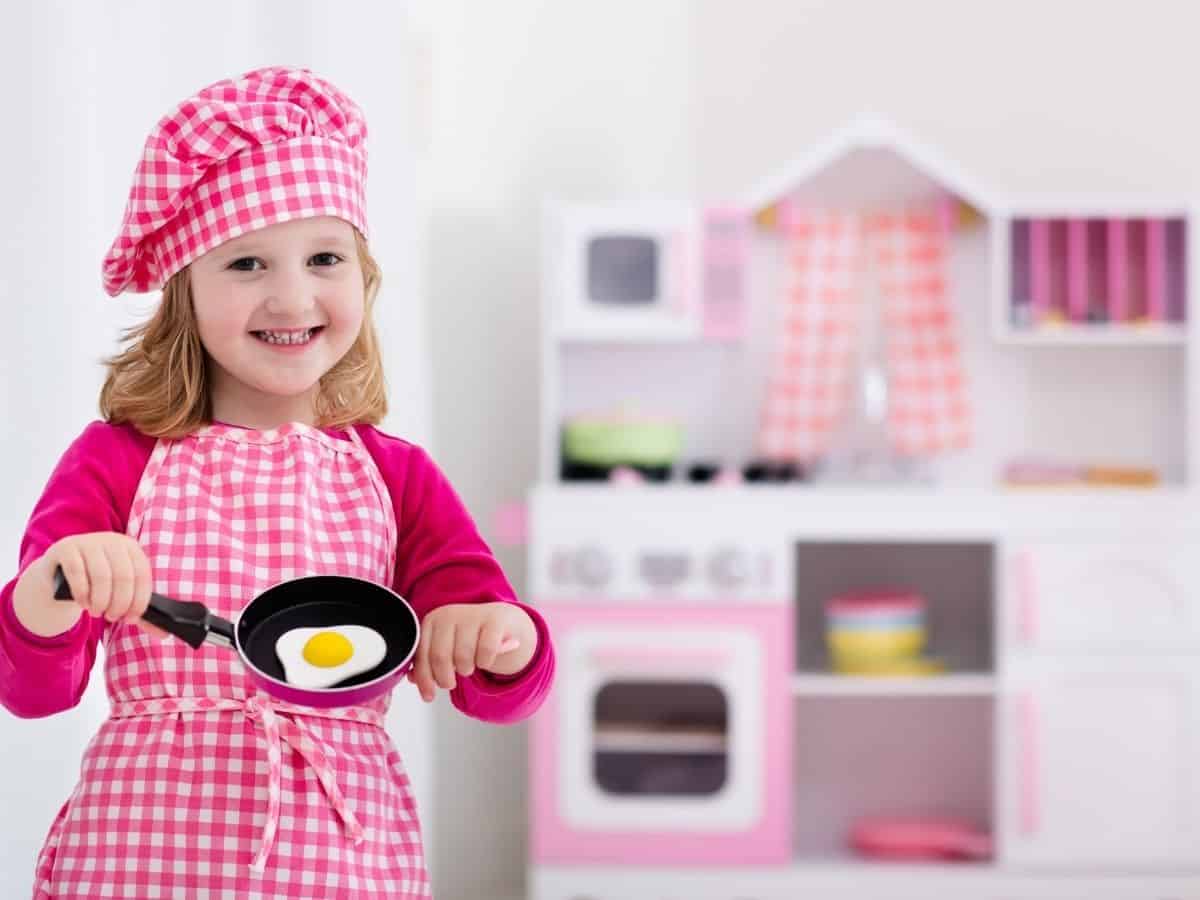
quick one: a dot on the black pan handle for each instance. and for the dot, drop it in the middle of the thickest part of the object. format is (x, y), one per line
(188, 620)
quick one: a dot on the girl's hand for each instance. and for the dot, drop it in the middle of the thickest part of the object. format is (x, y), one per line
(459, 637)
(109, 575)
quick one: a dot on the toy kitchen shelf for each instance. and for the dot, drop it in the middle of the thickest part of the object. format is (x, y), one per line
(863, 745)
(1111, 273)
(947, 685)
(1054, 553)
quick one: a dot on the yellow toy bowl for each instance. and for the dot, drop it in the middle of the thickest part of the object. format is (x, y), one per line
(917, 666)
(859, 646)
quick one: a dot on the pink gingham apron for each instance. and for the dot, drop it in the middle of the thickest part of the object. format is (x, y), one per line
(199, 784)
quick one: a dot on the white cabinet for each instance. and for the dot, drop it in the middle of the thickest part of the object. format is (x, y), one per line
(1098, 763)
(1100, 706)
(1123, 596)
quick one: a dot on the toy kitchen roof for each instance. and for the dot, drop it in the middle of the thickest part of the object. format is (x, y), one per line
(867, 162)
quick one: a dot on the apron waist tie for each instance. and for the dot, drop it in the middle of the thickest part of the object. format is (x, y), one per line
(276, 729)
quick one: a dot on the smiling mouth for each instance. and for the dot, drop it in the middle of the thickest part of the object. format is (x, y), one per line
(289, 336)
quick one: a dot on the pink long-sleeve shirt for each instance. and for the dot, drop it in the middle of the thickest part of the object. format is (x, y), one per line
(440, 558)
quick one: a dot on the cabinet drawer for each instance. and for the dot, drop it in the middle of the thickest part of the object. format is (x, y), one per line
(1102, 595)
(1097, 760)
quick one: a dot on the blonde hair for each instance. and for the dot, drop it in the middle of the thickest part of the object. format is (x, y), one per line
(160, 382)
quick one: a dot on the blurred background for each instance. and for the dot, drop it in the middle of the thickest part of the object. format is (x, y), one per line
(482, 115)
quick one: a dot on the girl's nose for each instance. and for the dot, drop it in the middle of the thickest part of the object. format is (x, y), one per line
(288, 294)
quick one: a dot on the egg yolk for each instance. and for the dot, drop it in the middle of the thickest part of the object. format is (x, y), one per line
(328, 648)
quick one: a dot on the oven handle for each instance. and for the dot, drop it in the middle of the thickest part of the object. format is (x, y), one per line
(699, 658)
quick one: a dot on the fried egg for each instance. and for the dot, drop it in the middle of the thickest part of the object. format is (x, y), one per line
(321, 657)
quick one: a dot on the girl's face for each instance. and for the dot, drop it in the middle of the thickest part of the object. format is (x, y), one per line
(276, 309)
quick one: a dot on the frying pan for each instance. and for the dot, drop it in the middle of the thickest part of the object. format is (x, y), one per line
(314, 601)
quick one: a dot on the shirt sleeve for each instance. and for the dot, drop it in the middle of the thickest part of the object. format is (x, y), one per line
(90, 489)
(441, 558)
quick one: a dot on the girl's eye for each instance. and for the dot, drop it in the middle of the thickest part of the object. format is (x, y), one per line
(248, 263)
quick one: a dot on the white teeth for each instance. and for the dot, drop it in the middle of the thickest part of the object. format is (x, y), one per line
(286, 337)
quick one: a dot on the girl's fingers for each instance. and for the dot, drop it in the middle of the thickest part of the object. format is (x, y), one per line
(100, 578)
(75, 571)
(121, 597)
(422, 675)
(491, 637)
(450, 648)
(466, 639)
(142, 585)
(441, 655)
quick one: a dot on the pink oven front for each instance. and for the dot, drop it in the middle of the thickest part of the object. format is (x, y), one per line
(667, 738)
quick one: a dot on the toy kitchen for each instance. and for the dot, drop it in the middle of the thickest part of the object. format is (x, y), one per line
(865, 525)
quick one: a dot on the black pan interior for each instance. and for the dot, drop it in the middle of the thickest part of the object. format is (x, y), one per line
(320, 601)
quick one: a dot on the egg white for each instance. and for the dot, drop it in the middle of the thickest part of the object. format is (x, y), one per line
(369, 649)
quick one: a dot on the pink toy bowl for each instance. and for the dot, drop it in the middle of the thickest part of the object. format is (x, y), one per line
(920, 838)
(881, 603)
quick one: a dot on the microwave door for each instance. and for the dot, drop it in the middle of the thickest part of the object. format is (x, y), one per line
(623, 271)
(628, 276)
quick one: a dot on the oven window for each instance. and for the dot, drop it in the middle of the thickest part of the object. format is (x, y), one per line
(660, 738)
(622, 270)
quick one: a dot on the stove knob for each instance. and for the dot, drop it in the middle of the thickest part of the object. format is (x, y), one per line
(593, 566)
(664, 570)
(728, 568)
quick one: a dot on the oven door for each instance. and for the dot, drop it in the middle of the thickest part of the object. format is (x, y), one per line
(669, 737)
(652, 723)
(627, 274)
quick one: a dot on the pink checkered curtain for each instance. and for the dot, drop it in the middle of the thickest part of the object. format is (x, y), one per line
(928, 409)
(808, 385)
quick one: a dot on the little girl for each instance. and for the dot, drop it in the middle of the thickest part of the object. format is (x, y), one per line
(238, 450)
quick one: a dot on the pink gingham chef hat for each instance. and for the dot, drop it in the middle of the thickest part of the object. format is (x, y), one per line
(273, 145)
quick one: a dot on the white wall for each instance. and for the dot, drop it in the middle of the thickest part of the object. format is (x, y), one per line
(100, 75)
(1069, 96)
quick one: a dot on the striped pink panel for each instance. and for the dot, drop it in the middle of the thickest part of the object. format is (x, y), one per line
(1156, 270)
(1118, 284)
(1039, 268)
(1077, 270)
